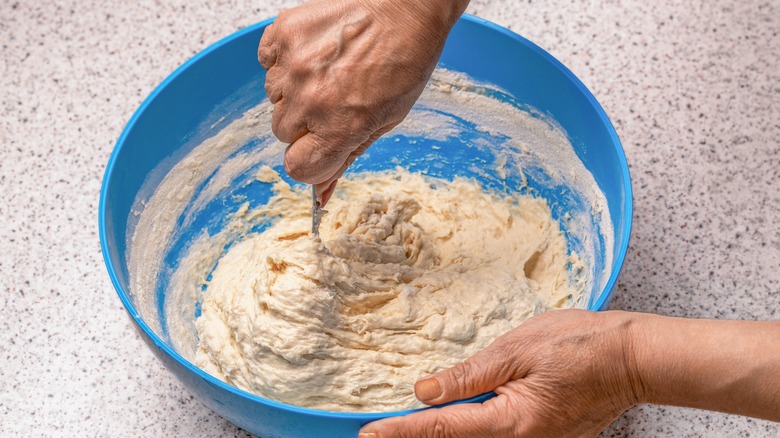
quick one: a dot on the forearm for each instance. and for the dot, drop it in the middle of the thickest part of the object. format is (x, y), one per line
(442, 13)
(448, 10)
(457, 8)
(727, 366)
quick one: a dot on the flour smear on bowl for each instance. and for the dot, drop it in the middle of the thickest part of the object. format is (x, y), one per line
(413, 271)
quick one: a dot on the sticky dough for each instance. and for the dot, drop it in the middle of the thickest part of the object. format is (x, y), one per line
(409, 276)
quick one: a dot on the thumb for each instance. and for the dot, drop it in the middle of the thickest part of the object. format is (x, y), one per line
(313, 160)
(325, 189)
(481, 373)
(495, 418)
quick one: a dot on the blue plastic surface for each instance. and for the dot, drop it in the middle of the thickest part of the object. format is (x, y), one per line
(168, 120)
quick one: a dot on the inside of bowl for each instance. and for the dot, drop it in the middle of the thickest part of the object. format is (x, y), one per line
(221, 84)
(436, 140)
(458, 128)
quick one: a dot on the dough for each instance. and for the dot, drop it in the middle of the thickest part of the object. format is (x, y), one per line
(410, 275)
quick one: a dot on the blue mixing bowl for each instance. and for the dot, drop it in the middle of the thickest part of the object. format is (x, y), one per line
(171, 116)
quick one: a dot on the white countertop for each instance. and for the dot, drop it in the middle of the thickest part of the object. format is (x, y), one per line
(693, 89)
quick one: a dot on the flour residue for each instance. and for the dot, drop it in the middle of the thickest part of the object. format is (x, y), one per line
(409, 275)
(207, 205)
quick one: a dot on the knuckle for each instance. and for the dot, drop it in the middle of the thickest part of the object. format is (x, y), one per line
(273, 85)
(296, 17)
(273, 75)
(269, 91)
(439, 427)
(276, 118)
(286, 132)
(278, 127)
(266, 50)
(264, 56)
(460, 375)
(283, 16)
(269, 86)
(268, 35)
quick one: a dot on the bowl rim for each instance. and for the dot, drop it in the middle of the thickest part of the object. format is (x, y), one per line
(600, 303)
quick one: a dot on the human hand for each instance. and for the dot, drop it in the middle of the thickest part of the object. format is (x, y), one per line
(565, 373)
(343, 72)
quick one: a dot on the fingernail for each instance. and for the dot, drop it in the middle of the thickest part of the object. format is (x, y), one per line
(369, 435)
(328, 193)
(427, 389)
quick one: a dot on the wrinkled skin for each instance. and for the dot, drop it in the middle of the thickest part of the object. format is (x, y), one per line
(343, 72)
(565, 373)
(569, 373)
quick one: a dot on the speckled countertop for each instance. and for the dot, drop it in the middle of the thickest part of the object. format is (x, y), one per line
(693, 89)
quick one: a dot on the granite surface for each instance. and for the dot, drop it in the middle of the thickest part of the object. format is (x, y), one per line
(693, 89)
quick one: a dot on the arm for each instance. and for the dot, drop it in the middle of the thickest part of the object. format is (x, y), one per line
(341, 73)
(570, 373)
(727, 366)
